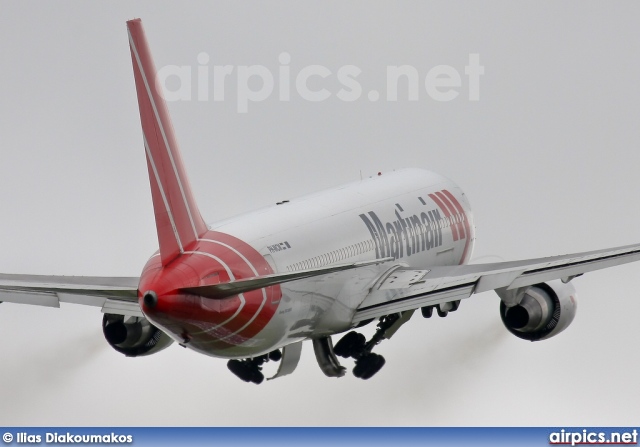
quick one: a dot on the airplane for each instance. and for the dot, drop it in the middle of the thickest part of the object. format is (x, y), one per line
(252, 288)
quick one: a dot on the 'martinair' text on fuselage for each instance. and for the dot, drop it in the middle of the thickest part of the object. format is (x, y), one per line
(405, 235)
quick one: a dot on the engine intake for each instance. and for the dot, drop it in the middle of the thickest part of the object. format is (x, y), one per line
(540, 311)
(133, 336)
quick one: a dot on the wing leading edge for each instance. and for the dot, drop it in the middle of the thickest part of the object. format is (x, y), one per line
(444, 284)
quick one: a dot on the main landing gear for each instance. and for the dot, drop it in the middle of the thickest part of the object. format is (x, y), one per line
(356, 346)
(250, 370)
(352, 345)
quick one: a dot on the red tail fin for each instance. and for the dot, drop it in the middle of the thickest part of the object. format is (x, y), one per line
(178, 219)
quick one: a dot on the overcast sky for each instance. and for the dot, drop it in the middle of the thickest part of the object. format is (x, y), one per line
(548, 156)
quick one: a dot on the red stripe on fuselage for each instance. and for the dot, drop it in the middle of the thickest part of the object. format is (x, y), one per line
(465, 220)
(447, 213)
(454, 211)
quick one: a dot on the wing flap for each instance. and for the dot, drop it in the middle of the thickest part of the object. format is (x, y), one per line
(399, 278)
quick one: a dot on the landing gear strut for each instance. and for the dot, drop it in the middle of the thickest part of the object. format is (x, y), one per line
(355, 345)
(250, 370)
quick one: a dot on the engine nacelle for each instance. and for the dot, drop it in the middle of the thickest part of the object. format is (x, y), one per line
(133, 336)
(540, 311)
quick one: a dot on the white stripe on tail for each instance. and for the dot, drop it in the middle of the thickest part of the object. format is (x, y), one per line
(178, 219)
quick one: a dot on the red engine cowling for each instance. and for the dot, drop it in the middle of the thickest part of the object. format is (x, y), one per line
(540, 311)
(133, 337)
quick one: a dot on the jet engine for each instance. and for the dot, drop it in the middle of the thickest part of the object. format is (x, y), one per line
(133, 336)
(540, 311)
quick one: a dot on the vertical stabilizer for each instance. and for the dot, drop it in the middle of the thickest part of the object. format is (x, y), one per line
(178, 219)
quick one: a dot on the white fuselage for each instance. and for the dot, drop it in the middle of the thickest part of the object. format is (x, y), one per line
(417, 217)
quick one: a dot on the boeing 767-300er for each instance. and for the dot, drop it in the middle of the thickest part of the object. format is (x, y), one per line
(252, 288)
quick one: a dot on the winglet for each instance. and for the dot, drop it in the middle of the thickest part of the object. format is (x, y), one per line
(178, 219)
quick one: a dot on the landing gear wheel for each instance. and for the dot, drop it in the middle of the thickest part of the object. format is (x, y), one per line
(427, 311)
(240, 369)
(275, 355)
(350, 345)
(368, 365)
(442, 313)
(246, 371)
(256, 377)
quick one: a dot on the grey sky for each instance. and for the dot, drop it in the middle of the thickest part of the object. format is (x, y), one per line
(548, 157)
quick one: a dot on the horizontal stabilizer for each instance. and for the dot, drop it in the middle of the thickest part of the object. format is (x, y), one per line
(220, 291)
(117, 295)
(123, 287)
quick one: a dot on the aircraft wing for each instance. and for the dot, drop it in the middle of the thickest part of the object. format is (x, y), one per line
(115, 295)
(401, 289)
(398, 289)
